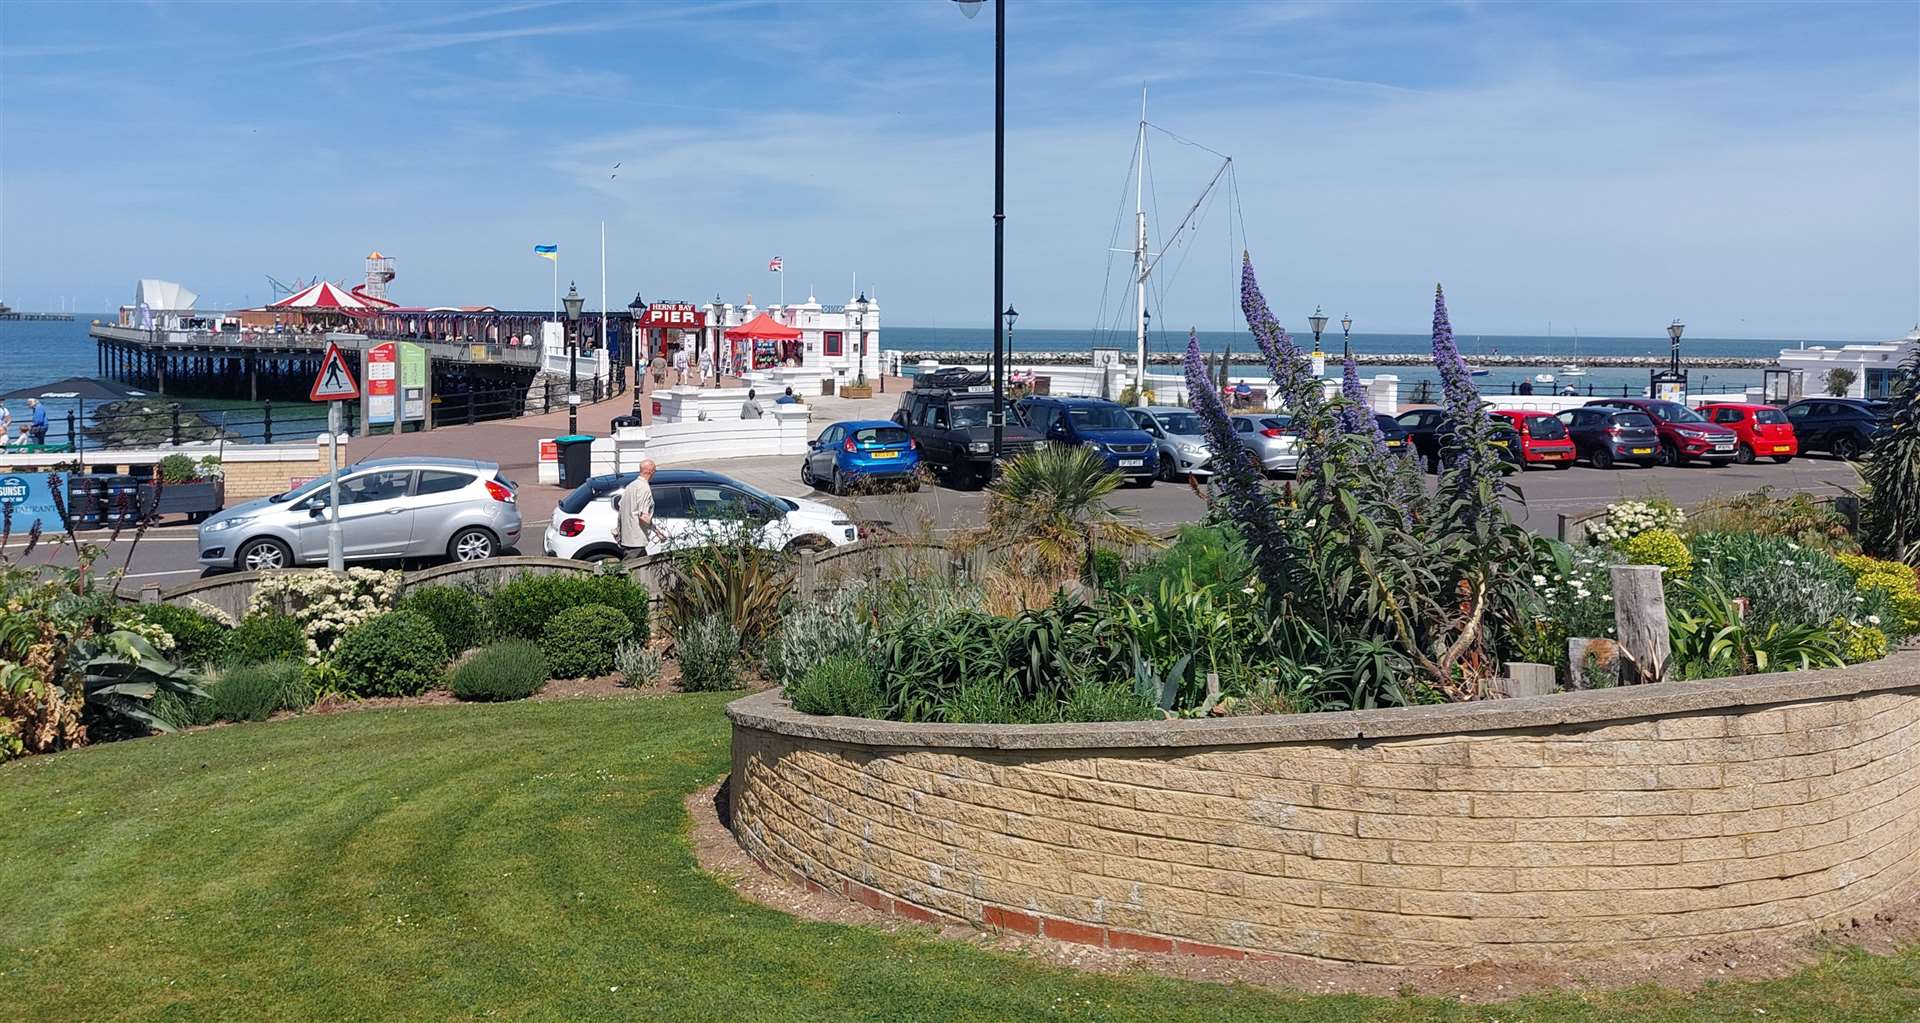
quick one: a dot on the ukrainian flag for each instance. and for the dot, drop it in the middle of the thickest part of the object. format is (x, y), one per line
(547, 251)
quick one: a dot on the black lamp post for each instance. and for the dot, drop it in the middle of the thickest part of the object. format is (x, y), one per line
(573, 302)
(1346, 334)
(1674, 330)
(636, 309)
(1010, 315)
(860, 332)
(1318, 321)
(971, 8)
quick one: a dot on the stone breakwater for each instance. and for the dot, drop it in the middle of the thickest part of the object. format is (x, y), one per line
(1361, 358)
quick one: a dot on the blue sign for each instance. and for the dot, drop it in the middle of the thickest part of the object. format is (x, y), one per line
(29, 498)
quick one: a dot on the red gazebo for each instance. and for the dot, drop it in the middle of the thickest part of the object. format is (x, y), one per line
(769, 342)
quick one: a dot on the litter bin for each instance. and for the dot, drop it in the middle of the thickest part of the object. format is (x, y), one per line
(576, 458)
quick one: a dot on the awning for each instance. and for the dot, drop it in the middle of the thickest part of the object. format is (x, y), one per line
(763, 328)
(324, 295)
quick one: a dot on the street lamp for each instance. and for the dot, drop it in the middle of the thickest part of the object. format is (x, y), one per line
(860, 332)
(573, 302)
(1318, 321)
(1010, 315)
(1674, 330)
(971, 8)
(635, 310)
(1346, 333)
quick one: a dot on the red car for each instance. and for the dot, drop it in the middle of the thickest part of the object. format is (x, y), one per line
(1685, 435)
(1543, 438)
(1764, 431)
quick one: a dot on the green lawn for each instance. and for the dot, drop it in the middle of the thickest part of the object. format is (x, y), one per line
(529, 861)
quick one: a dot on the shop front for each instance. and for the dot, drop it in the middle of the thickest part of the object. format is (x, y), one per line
(763, 343)
(667, 326)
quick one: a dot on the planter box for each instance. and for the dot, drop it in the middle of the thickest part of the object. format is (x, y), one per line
(856, 390)
(194, 500)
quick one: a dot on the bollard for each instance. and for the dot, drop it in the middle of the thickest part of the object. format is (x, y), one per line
(173, 414)
(267, 420)
(73, 436)
(1640, 620)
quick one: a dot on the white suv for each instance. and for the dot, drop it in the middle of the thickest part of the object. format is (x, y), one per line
(692, 507)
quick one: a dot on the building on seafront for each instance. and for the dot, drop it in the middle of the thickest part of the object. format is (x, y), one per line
(1874, 366)
(840, 341)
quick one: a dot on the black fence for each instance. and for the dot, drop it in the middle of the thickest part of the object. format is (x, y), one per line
(155, 423)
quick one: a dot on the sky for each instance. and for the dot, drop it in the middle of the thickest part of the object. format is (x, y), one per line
(1751, 169)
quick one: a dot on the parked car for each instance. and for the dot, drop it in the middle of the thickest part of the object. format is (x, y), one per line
(1607, 436)
(1764, 430)
(692, 507)
(1397, 437)
(862, 449)
(1270, 439)
(1098, 424)
(1428, 431)
(389, 508)
(949, 415)
(1543, 438)
(1685, 435)
(1844, 427)
(1180, 438)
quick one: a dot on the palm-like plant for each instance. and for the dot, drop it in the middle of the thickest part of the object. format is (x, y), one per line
(1892, 509)
(1050, 505)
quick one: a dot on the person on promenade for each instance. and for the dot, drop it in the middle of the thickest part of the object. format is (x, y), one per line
(6, 424)
(1526, 387)
(787, 398)
(636, 512)
(750, 409)
(680, 364)
(37, 427)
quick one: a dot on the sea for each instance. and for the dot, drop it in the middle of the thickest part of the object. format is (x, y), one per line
(36, 352)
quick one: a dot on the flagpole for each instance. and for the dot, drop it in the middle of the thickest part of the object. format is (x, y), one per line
(603, 296)
(556, 286)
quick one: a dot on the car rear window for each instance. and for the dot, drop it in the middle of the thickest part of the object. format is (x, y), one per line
(1769, 415)
(599, 486)
(1546, 427)
(880, 436)
(1633, 420)
(1275, 422)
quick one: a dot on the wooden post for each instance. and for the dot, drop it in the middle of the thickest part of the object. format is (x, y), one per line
(1640, 619)
(808, 575)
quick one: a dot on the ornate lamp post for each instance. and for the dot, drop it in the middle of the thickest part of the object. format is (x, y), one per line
(1318, 321)
(1674, 330)
(1346, 333)
(971, 8)
(635, 310)
(573, 302)
(860, 332)
(1010, 315)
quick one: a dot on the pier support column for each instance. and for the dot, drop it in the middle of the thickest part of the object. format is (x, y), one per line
(160, 372)
(253, 379)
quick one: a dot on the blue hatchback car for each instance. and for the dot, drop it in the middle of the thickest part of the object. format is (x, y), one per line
(1099, 424)
(861, 449)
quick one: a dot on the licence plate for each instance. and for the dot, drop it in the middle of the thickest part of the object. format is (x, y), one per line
(1782, 447)
(1396, 443)
(886, 454)
(1723, 447)
(1643, 451)
(1132, 463)
(1499, 444)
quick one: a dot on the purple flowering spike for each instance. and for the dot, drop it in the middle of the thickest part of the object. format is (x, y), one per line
(1470, 453)
(1356, 416)
(1235, 479)
(1289, 367)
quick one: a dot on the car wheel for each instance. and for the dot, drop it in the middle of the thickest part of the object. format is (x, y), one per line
(1602, 458)
(1166, 467)
(1783, 459)
(472, 544)
(836, 484)
(1846, 449)
(1667, 455)
(806, 473)
(263, 556)
(1743, 454)
(810, 542)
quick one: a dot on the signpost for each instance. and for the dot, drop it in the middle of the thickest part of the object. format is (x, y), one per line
(381, 398)
(413, 383)
(333, 385)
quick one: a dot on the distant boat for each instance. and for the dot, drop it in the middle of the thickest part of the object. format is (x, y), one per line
(1574, 369)
(1478, 371)
(1543, 378)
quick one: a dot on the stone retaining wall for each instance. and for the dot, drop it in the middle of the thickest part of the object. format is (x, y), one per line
(1650, 818)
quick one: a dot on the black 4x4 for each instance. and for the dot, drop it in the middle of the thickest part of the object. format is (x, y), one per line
(1844, 426)
(949, 414)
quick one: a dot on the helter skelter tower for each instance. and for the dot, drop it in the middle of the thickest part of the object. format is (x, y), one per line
(379, 274)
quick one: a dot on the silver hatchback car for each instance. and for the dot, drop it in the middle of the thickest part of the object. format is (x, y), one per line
(1181, 439)
(455, 508)
(1266, 436)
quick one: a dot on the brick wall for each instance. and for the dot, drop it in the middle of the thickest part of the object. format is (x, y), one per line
(1721, 820)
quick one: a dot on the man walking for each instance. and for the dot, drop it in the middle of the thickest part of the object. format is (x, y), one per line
(680, 365)
(636, 512)
(37, 428)
(750, 409)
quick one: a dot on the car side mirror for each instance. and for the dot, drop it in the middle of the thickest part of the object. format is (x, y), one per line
(314, 511)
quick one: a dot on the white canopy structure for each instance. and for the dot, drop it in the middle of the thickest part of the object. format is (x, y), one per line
(163, 296)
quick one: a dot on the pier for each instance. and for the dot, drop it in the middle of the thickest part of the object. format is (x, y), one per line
(60, 317)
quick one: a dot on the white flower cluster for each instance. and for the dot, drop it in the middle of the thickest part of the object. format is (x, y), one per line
(326, 604)
(1628, 519)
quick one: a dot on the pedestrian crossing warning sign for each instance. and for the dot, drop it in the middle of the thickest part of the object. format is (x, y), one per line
(335, 380)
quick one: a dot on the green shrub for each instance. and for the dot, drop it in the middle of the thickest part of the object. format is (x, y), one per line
(181, 710)
(395, 654)
(198, 639)
(580, 641)
(1197, 552)
(813, 632)
(513, 670)
(266, 637)
(1859, 643)
(1660, 547)
(177, 469)
(522, 608)
(454, 611)
(254, 692)
(709, 652)
(842, 684)
(1107, 701)
(637, 664)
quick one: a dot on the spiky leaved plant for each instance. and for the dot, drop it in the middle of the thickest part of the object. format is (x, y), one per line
(1892, 511)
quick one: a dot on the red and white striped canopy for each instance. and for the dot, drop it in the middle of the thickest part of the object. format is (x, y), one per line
(324, 295)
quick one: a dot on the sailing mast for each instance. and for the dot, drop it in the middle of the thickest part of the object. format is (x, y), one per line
(1140, 260)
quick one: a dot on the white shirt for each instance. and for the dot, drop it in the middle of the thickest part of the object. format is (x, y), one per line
(636, 513)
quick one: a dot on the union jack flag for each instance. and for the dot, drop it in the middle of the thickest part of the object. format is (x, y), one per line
(773, 265)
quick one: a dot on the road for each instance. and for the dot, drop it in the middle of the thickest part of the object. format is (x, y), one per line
(165, 555)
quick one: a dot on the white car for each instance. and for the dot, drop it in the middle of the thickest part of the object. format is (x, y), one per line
(692, 507)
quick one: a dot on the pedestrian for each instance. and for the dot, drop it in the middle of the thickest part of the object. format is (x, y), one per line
(787, 398)
(37, 429)
(750, 409)
(680, 364)
(1526, 387)
(636, 512)
(658, 367)
(6, 424)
